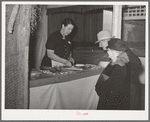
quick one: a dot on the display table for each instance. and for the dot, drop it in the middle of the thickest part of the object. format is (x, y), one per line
(72, 91)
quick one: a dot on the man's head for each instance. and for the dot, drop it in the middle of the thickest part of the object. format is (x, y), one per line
(103, 37)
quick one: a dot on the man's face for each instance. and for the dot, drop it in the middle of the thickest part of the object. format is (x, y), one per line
(104, 44)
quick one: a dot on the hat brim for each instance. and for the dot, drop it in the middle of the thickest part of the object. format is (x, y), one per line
(118, 49)
(104, 39)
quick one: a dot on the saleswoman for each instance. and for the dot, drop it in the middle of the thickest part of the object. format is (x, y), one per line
(113, 86)
(59, 46)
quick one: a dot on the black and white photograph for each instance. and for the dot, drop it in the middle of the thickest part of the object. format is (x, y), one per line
(74, 60)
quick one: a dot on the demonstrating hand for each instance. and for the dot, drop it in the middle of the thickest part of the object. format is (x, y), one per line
(71, 60)
(68, 63)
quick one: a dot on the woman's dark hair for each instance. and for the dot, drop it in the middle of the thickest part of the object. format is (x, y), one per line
(68, 21)
(75, 29)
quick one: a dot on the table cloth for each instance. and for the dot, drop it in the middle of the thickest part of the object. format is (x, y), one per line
(76, 91)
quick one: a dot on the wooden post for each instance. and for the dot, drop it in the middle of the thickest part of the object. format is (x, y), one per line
(23, 36)
(117, 19)
(12, 19)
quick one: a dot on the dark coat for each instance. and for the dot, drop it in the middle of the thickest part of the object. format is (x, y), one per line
(114, 90)
(136, 66)
(135, 87)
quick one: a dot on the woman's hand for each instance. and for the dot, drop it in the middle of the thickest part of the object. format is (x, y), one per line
(71, 60)
(67, 63)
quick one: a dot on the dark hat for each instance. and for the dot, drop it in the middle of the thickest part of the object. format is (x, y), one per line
(117, 44)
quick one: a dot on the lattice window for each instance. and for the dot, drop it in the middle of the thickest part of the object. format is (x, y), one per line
(134, 12)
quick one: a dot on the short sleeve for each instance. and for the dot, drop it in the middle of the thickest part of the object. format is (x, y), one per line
(52, 42)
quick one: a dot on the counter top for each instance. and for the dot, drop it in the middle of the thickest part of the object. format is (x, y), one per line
(45, 79)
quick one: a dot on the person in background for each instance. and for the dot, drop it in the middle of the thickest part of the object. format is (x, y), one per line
(59, 46)
(113, 86)
(104, 37)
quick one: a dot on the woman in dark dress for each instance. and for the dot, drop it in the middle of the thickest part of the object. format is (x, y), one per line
(59, 45)
(113, 86)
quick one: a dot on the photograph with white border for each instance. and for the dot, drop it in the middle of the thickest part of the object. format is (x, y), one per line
(67, 88)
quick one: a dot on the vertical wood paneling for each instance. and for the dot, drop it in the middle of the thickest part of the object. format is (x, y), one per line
(89, 24)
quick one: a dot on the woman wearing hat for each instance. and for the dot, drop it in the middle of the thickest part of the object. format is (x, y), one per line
(113, 86)
(104, 37)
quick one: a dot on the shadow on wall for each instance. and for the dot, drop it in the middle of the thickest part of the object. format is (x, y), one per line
(31, 52)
